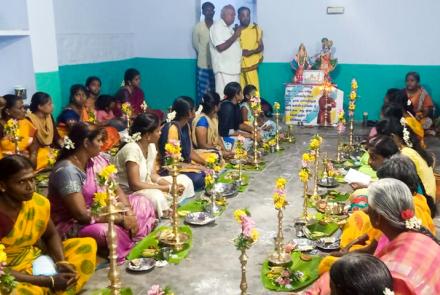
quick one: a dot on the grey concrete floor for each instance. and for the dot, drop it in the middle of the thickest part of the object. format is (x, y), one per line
(212, 266)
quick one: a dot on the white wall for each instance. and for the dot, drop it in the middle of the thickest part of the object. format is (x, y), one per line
(163, 28)
(370, 32)
(94, 30)
(42, 34)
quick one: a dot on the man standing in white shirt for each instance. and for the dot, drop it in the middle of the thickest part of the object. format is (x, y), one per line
(225, 50)
(205, 75)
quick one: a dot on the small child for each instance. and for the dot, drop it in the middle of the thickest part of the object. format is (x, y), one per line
(104, 113)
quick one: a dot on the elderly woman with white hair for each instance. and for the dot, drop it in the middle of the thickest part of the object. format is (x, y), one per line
(412, 254)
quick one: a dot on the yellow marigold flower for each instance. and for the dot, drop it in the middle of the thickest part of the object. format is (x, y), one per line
(238, 214)
(217, 168)
(255, 235)
(11, 123)
(354, 84)
(100, 199)
(126, 109)
(212, 159)
(281, 182)
(353, 95)
(351, 106)
(308, 157)
(108, 171)
(3, 256)
(314, 144)
(304, 175)
(209, 180)
(276, 106)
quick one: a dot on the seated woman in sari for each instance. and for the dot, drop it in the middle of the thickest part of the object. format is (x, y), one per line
(179, 129)
(230, 120)
(46, 136)
(24, 223)
(410, 146)
(205, 134)
(93, 87)
(412, 254)
(133, 94)
(104, 113)
(72, 188)
(136, 163)
(14, 109)
(74, 112)
(419, 101)
(398, 167)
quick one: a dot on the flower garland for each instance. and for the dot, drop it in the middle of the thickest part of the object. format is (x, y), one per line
(304, 172)
(126, 110)
(209, 180)
(52, 157)
(134, 138)
(353, 96)
(7, 281)
(249, 235)
(68, 143)
(199, 110)
(255, 103)
(276, 106)
(387, 291)
(283, 277)
(315, 142)
(340, 127)
(173, 152)
(279, 196)
(106, 179)
(411, 221)
(406, 135)
(171, 116)
(11, 130)
(157, 290)
(144, 106)
(91, 117)
(240, 152)
(99, 202)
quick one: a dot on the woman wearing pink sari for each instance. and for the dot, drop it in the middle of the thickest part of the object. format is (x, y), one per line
(72, 185)
(412, 255)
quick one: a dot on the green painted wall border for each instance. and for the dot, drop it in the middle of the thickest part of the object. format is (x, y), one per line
(165, 79)
(50, 82)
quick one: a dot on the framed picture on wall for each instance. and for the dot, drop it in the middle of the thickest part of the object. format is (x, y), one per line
(313, 77)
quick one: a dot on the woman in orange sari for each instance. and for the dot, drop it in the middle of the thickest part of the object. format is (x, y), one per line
(76, 111)
(24, 222)
(46, 137)
(14, 113)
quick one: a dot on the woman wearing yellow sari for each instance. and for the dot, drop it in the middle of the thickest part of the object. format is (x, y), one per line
(410, 146)
(14, 109)
(46, 137)
(24, 222)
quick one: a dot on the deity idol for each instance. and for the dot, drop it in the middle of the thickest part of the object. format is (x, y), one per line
(300, 63)
(324, 61)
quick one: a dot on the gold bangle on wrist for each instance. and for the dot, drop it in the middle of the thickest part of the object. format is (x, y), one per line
(63, 262)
